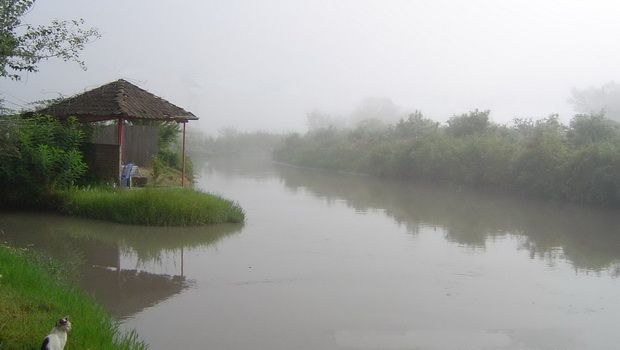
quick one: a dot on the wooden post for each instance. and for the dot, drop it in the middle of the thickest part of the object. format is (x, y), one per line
(182, 272)
(183, 157)
(119, 132)
(118, 264)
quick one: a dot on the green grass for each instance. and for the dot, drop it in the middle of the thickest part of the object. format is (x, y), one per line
(34, 295)
(151, 206)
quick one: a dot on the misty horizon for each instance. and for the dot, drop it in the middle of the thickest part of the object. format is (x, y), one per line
(266, 65)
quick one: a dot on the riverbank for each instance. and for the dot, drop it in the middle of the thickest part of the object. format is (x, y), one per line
(34, 294)
(575, 163)
(150, 206)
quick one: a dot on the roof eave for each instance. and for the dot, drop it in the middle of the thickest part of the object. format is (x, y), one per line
(89, 118)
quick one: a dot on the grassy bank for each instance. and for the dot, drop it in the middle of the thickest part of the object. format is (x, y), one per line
(151, 206)
(33, 296)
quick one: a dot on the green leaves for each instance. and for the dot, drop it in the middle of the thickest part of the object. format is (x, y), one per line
(39, 155)
(23, 47)
(474, 122)
(590, 129)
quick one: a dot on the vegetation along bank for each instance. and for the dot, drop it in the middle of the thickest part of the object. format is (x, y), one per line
(579, 162)
(34, 295)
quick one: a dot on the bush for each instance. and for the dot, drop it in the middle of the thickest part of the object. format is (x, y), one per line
(39, 155)
(592, 174)
(158, 167)
(170, 158)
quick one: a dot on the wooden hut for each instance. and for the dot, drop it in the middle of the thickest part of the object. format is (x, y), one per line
(119, 101)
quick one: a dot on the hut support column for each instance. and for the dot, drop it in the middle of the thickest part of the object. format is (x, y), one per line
(119, 133)
(183, 157)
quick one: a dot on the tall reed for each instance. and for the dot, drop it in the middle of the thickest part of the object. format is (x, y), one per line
(151, 206)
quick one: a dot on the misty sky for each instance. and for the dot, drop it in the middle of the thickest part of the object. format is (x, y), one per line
(265, 64)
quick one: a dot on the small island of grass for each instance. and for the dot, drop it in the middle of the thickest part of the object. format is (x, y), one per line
(34, 295)
(150, 206)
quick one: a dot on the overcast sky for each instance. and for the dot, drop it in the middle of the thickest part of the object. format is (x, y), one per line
(265, 64)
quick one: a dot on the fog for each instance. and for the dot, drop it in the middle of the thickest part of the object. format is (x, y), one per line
(266, 64)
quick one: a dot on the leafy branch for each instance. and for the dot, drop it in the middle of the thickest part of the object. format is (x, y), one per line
(24, 46)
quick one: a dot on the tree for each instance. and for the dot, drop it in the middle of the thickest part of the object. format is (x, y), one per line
(595, 100)
(416, 125)
(589, 129)
(474, 122)
(24, 46)
(316, 120)
(383, 109)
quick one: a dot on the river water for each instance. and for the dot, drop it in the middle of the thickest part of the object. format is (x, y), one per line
(337, 261)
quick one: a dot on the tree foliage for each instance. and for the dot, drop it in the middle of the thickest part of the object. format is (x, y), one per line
(234, 142)
(24, 46)
(591, 129)
(598, 100)
(469, 123)
(545, 158)
(39, 155)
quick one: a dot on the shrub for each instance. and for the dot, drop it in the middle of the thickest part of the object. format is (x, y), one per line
(38, 155)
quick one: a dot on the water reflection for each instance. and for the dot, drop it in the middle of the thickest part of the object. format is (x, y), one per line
(587, 237)
(127, 268)
(439, 270)
(258, 166)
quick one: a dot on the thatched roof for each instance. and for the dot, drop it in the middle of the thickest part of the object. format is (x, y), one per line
(118, 99)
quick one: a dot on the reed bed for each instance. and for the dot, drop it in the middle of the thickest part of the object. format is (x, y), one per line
(151, 206)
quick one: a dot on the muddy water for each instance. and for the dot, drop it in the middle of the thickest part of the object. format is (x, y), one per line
(332, 261)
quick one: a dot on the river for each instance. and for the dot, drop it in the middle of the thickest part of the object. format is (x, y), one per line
(340, 261)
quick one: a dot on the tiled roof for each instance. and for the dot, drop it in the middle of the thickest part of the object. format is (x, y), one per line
(118, 99)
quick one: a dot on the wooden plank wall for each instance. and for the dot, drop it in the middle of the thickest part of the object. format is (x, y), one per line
(139, 141)
(102, 161)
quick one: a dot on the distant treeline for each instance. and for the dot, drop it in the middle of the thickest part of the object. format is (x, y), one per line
(231, 141)
(579, 162)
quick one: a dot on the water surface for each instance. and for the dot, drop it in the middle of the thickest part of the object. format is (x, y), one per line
(335, 261)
